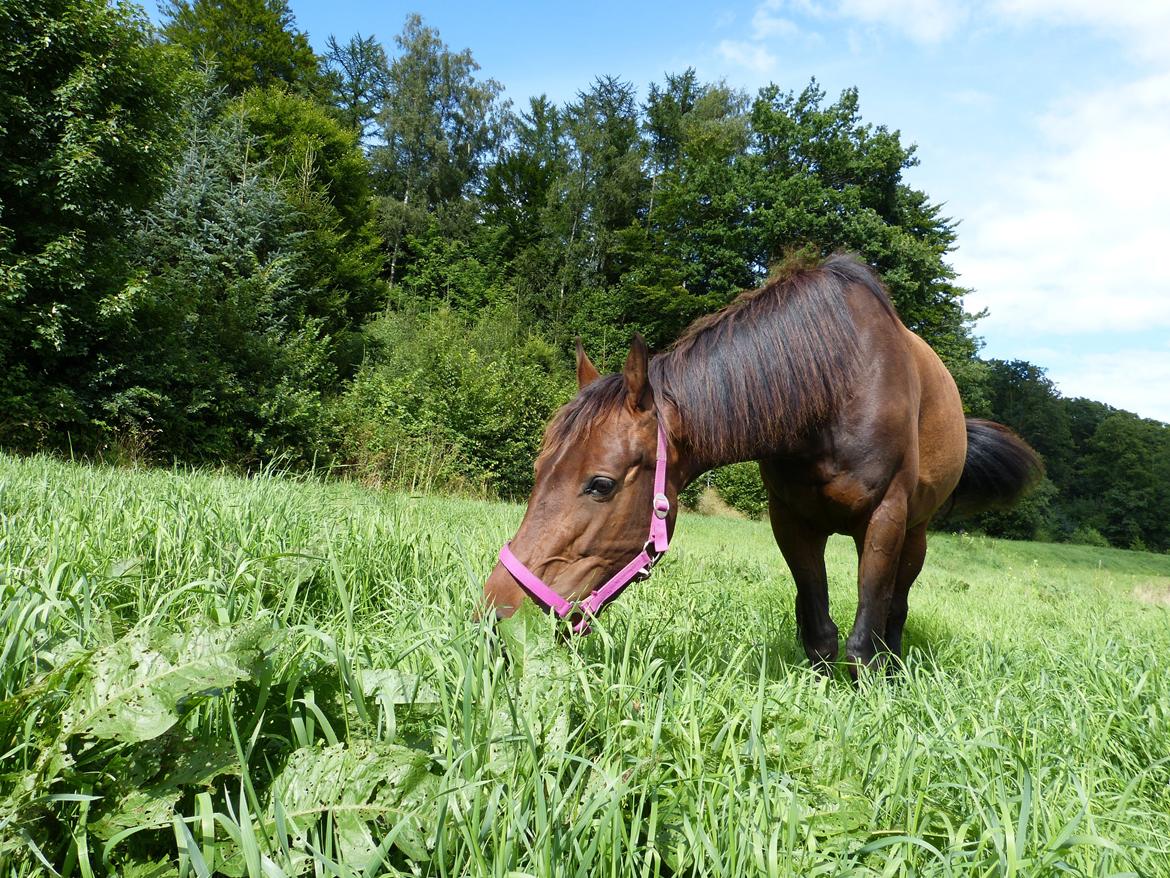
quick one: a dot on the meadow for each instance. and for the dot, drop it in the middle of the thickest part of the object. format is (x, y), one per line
(202, 674)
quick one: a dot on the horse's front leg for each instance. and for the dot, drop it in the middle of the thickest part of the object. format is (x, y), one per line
(879, 551)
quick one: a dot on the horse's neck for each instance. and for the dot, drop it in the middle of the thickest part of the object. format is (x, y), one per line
(696, 457)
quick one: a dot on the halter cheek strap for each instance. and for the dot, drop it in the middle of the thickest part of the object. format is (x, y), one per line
(638, 569)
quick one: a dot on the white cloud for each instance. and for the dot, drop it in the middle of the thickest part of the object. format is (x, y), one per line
(924, 21)
(972, 97)
(753, 56)
(766, 24)
(1069, 239)
(1142, 25)
(1133, 380)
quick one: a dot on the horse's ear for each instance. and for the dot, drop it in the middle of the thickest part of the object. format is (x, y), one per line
(638, 395)
(586, 372)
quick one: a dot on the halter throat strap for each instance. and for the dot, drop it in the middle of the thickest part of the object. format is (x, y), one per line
(636, 570)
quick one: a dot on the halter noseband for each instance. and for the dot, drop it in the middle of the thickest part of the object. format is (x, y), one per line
(637, 570)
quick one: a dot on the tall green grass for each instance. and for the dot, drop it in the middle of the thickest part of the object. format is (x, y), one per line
(206, 675)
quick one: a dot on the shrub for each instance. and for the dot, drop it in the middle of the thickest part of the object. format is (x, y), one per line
(1088, 536)
(1029, 519)
(434, 387)
(739, 486)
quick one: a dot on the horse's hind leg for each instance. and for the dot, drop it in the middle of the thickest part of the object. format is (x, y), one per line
(804, 550)
(909, 566)
(880, 551)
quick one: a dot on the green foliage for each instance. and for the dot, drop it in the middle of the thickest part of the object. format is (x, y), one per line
(221, 352)
(1029, 519)
(700, 205)
(463, 404)
(454, 272)
(1128, 462)
(741, 487)
(438, 126)
(522, 186)
(350, 717)
(359, 74)
(438, 122)
(131, 690)
(1024, 398)
(738, 485)
(819, 177)
(1088, 536)
(246, 43)
(337, 253)
(1108, 471)
(360, 792)
(90, 108)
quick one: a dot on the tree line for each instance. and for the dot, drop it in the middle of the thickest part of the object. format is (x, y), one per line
(219, 246)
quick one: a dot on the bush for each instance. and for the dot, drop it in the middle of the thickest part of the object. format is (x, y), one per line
(449, 405)
(739, 486)
(1029, 519)
(1088, 536)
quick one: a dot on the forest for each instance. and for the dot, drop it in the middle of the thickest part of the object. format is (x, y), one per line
(218, 247)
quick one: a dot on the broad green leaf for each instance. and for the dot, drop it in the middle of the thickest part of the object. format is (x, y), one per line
(162, 868)
(366, 788)
(139, 809)
(134, 689)
(393, 686)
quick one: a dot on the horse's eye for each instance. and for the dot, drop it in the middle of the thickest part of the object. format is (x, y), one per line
(600, 486)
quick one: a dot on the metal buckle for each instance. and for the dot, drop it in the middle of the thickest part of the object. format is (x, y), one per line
(661, 505)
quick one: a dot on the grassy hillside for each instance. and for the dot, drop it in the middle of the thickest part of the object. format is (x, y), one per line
(204, 675)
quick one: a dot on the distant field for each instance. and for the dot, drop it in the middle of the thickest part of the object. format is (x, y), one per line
(207, 675)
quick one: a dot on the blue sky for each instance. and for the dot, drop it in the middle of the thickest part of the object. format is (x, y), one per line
(1044, 126)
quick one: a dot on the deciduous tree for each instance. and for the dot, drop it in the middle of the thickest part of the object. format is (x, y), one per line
(246, 43)
(89, 104)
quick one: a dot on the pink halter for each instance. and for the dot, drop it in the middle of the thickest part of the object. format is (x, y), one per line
(637, 570)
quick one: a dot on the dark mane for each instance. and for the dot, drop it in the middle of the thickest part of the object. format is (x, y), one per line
(752, 378)
(575, 418)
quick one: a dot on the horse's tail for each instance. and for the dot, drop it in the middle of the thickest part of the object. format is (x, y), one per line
(999, 470)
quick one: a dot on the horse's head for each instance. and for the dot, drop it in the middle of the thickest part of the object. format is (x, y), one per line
(592, 503)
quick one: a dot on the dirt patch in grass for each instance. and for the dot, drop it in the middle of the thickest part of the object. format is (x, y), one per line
(1155, 592)
(710, 503)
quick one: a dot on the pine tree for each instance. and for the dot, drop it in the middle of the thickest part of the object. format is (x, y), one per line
(359, 75)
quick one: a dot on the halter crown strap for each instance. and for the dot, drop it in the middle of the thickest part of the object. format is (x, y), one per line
(637, 569)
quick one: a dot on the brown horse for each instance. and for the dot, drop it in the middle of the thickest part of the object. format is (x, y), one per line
(856, 424)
